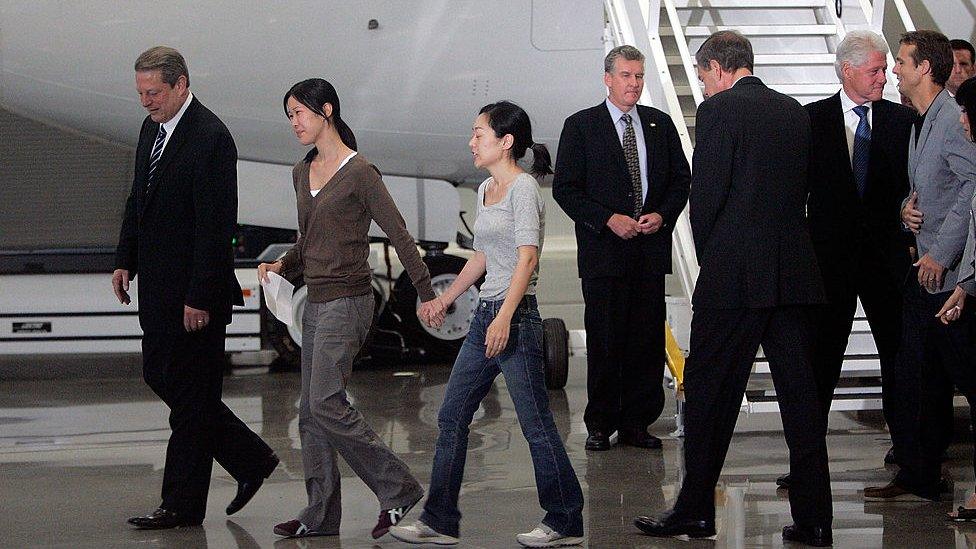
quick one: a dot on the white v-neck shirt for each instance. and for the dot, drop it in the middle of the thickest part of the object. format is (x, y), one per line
(341, 164)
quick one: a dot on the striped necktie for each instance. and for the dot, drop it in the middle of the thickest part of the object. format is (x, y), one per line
(157, 153)
(633, 164)
(862, 150)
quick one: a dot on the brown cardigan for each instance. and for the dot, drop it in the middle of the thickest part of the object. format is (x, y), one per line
(332, 251)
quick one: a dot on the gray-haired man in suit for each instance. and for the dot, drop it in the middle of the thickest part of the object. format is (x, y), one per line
(942, 175)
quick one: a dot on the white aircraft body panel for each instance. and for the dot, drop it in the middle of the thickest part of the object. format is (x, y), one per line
(409, 88)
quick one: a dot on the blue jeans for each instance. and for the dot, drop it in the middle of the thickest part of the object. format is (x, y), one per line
(522, 365)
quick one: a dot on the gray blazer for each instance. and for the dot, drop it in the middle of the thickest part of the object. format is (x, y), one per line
(967, 268)
(943, 172)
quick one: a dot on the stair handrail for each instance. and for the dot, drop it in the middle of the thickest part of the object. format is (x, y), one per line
(875, 13)
(687, 61)
(621, 14)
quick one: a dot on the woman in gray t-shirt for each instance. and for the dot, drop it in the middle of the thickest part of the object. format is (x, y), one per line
(505, 337)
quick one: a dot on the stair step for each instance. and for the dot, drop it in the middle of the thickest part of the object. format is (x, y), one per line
(779, 59)
(852, 363)
(748, 4)
(696, 31)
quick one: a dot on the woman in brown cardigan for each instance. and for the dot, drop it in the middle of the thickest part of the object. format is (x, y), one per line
(339, 193)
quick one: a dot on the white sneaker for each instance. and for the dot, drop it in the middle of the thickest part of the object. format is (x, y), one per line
(418, 532)
(543, 536)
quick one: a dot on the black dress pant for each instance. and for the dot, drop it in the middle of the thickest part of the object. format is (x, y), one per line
(186, 371)
(879, 286)
(724, 343)
(624, 319)
(935, 357)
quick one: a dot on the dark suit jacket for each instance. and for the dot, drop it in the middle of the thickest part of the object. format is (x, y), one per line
(592, 183)
(747, 201)
(845, 228)
(177, 236)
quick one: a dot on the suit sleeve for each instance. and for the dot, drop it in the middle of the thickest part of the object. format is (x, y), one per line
(712, 173)
(127, 252)
(215, 215)
(381, 208)
(676, 193)
(967, 267)
(569, 181)
(951, 238)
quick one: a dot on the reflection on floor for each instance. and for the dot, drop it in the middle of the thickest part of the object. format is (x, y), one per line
(80, 452)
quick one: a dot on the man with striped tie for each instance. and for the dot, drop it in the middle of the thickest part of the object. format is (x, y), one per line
(623, 178)
(176, 236)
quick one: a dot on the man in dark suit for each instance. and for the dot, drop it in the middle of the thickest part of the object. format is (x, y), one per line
(759, 284)
(858, 177)
(176, 235)
(622, 176)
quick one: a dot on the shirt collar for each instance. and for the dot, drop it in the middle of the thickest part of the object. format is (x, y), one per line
(848, 104)
(171, 124)
(616, 113)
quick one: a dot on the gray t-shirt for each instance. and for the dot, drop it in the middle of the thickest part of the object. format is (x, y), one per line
(519, 219)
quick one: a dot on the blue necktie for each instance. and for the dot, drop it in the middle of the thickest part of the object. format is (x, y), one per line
(157, 153)
(862, 150)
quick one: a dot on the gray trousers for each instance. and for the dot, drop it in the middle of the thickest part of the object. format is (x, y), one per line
(332, 334)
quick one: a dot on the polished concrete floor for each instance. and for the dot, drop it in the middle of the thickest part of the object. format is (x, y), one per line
(82, 442)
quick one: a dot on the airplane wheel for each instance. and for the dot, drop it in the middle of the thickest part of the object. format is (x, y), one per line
(439, 344)
(555, 339)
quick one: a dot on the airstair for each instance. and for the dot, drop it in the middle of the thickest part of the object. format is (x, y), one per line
(794, 42)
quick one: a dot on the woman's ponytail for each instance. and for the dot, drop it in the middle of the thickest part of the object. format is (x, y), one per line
(541, 161)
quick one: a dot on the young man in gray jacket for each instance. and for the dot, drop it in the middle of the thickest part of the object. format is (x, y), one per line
(942, 175)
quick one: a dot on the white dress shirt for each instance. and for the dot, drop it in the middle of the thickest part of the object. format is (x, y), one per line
(851, 120)
(616, 115)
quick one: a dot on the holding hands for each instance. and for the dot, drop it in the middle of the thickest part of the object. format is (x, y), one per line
(432, 312)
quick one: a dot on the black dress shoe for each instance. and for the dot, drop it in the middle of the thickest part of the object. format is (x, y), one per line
(783, 482)
(246, 489)
(817, 536)
(638, 438)
(598, 441)
(161, 519)
(670, 525)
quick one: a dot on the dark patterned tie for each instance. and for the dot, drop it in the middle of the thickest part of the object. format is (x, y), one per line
(157, 152)
(862, 150)
(633, 164)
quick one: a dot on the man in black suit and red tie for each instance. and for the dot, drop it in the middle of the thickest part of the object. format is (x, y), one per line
(176, 237)
(622, 176)
(758, 285)
(858, 178)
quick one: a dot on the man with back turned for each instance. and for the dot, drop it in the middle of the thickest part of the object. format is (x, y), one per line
(759, 284)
